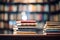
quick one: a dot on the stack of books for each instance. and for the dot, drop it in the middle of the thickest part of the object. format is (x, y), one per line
(52, 27)
(25, 27)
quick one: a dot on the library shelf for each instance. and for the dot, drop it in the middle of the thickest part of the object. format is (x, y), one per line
(24, 3)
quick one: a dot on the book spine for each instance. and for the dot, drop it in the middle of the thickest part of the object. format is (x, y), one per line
(39, 1)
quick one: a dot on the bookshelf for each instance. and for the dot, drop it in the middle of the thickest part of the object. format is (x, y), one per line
(38, 11)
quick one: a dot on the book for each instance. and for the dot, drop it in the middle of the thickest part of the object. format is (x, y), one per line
(17, 1)
(20, 32)
(28, 21)
(6, 16)
(52, 23)
(38, 8)
(25, 1)
(14, 8)
(21, 8)
(56, 18)
(2, 8)
(24, 8)
(12, 23)
(10, 8)
(6, 8)
(53, 26)
(52, 8)
(27, 29)
(31, 1)
(27, 24)
(57, 7)
(45, 1)
(18, 16)
(45, 17)
(38, 17)
(32, 8)
(1, 24)
(12, 17)
(46, 8)
(39, 1)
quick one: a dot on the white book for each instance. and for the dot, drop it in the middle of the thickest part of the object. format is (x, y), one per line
(30, 8)
(14, 8)
(32, 1)
(6, 17)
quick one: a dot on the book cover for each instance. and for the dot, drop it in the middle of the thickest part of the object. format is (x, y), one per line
(6, 16)
(32, 8)
(45, 1)
(52, 23)
(2, 8)
(12, 16)
(20, 32)
(55, 17)
(38, 8)
(1, 24)
(24, 8)
(18, 16)
(20, 8)
(10, 8)
(57, 7)
(38, 17)
(25, 1)
(14, 8)
(46, 8)
(45, 17)
(52, 8)
(53, 26)
(6, 8)
(12, 23)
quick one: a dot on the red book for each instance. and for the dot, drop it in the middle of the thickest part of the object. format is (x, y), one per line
(27, 21)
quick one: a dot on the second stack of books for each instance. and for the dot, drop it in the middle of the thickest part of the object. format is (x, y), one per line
(52, 27)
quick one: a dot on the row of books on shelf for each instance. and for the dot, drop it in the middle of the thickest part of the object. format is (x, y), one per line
(52, 27)
(55, 7)
(6, 32)
(30, 8)
(25, 1)
(8, 8)
(4, 24)
(19, 16)
(55, 17)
